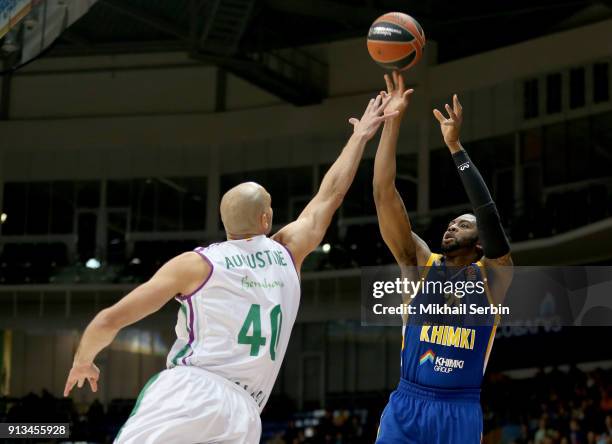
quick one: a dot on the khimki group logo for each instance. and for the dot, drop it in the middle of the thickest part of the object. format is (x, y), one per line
(440, 364)
(429, 355)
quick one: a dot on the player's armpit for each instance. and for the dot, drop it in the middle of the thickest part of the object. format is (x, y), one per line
(179, 276)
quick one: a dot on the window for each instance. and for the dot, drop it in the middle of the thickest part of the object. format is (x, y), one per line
(15, 207)
(161, 203)
(62, 207)
(444, 183)
(553, 93)
(601, 82)
(577, 95)
(38, 208)
(358, 200)
(530, 99)
(601, 127)
(555, 154)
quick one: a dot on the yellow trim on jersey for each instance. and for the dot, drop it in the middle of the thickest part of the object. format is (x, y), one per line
(432, 257)
(489, 347)
(497, 316)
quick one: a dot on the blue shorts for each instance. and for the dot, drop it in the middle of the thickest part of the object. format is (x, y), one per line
(422, 415)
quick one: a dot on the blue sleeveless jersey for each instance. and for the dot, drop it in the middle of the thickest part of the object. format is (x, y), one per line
(443, 355)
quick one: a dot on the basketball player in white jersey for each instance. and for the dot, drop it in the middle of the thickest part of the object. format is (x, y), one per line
(238, 302)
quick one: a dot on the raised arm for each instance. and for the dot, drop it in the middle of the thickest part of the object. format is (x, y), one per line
(303, 235)
(407, 248)
(491, 233)
(179, 276)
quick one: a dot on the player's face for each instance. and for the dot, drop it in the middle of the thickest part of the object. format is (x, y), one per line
(460, 233)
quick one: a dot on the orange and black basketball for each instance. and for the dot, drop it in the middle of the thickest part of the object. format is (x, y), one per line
(396, 41)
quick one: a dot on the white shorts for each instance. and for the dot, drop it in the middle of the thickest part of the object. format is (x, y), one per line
(189, 405)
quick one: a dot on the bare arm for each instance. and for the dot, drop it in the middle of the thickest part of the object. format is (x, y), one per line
(181, 275)
(303, 235)
(393, 220)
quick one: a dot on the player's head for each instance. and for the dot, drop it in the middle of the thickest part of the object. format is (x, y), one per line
(246, 210)
(461, 236)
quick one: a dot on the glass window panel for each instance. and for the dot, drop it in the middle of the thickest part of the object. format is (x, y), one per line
(578, 149)
(601, 82)
(445, 187)
(577, 95)
(143, 204)
(62, 207)
(555, 154)
(118, 193)
(553, 93)
(531, 145)
(39, 206)
(88, 194)
(15, 206)
(358, 200)
(169, 205)
(601, 126)
(530, 99)
(194, 203)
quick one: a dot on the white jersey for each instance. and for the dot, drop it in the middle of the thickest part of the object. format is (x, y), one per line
(238, 322)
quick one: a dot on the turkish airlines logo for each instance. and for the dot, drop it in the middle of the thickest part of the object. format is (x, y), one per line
(464, 166)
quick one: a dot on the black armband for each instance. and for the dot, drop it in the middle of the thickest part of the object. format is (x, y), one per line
(490, 230)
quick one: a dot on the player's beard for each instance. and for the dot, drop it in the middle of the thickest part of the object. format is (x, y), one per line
(455, 244)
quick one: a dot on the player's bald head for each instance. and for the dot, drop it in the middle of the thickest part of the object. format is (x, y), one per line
(246, 210)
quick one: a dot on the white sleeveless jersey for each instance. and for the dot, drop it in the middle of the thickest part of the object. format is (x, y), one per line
(237, 324)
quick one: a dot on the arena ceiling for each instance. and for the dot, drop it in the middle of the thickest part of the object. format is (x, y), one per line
(256, 39)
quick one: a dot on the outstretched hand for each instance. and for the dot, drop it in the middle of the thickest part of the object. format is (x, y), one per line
(396, 89)
(451, 125)
(374, 115)
(79, 373)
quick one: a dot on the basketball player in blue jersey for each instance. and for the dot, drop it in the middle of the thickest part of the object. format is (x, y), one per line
(442, 365)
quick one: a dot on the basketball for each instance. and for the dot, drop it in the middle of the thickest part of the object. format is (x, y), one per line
(396, 41)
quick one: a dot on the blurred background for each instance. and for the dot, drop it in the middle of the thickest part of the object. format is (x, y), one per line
(123, 122)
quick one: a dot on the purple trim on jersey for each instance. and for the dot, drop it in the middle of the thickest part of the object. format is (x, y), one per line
(292, 260)
(191, 331)
(212, 269)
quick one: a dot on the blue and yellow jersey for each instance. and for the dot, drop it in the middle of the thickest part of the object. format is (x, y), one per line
(440, 354)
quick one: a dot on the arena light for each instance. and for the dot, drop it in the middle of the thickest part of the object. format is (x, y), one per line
(93, 263)
(326, 248)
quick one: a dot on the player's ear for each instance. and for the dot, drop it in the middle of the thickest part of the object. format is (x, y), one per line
(265, 221)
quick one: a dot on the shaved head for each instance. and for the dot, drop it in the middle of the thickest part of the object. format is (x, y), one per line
(246, 210)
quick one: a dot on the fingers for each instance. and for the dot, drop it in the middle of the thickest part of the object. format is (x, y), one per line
(407, 94)
(370, 103)
(457, 106)
(390, 86)
(377, 102)
(387, 116)
(400, 82)
(93, 383)
(69, 386)
(438, 115)
(450, 112)
(80, 383)
(353, 121)
(384, 104)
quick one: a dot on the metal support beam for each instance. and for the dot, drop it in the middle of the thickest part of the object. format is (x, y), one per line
(147, 18)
